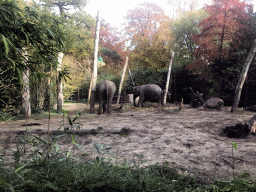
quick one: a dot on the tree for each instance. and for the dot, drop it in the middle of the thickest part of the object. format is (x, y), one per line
(243, 77)
(182, 29)
(221, 33)
(66, 4)
(111, 43)
(26, 27)
(148, 34)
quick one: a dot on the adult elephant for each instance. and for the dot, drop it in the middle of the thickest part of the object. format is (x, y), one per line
(106, 90)
(148, 92)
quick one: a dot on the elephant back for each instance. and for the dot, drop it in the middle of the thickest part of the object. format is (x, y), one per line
(152, 91)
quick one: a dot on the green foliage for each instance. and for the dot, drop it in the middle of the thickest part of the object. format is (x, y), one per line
(182, 29)
(28, 39)
(65, 175)
(143, 75)
(236, 185)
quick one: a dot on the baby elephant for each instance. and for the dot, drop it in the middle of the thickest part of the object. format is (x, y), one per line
(106, 90)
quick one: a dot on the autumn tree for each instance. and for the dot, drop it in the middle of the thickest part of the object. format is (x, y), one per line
(112, 44)
(182, 29)
(148, 35)
(221, 33)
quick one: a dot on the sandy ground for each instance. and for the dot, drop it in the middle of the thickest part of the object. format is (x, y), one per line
(189, 140)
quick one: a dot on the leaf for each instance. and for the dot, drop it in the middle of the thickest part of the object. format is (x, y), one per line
(70, 122)
(73, 138)
(17, 170)
(41, 140)
(234, 144)
(5, 44)
(64, 112)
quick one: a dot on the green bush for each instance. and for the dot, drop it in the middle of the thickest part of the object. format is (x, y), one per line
(41, 174)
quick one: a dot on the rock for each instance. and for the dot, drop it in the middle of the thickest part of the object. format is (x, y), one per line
(214, 103)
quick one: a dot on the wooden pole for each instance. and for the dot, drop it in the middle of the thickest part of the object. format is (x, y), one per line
(95, 65)
(59, 84)
(243, 77)
(122, 80)
(168, 78)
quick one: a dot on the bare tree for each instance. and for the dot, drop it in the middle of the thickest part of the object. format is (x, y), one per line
(243, 77)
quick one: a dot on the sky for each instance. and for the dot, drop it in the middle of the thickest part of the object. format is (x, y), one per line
(114, 11)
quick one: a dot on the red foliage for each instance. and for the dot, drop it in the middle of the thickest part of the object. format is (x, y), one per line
(221, 32)
(111, 39)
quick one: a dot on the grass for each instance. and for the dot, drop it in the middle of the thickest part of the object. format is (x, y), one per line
(56, 174)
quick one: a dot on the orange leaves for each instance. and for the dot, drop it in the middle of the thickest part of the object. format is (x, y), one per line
(148, 34)
(220, 32)
(144, 21)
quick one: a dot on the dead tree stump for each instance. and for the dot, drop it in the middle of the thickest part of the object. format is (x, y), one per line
(241, 129)
(196, 99)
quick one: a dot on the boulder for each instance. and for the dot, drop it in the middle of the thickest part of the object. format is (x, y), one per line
(213, 103)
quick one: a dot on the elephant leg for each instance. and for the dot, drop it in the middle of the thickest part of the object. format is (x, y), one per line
(159, 102)
(100, 107)
(141, 100)
(104, 107)
(109, 104)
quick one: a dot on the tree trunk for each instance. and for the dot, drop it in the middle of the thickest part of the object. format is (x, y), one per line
(59, 84)
(122, 80)
(130, 74)
(26, 106)
(243, 77)
(240, 129)
(95, 65)
(168, 78)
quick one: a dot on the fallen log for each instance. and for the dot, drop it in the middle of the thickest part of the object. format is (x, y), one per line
(240, 129)
(251, 108)
(122, 131)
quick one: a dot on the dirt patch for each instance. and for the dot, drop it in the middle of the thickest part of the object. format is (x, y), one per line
(187, 140)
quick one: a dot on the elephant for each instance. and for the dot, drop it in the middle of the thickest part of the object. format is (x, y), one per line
(148, 92)
(106, 90)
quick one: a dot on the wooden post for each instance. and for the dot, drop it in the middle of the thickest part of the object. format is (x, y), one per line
(168, 78)
(122, 80)
(243, 77)
(95, 65)
(59, 84)
(78, 95)
(26, 106)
